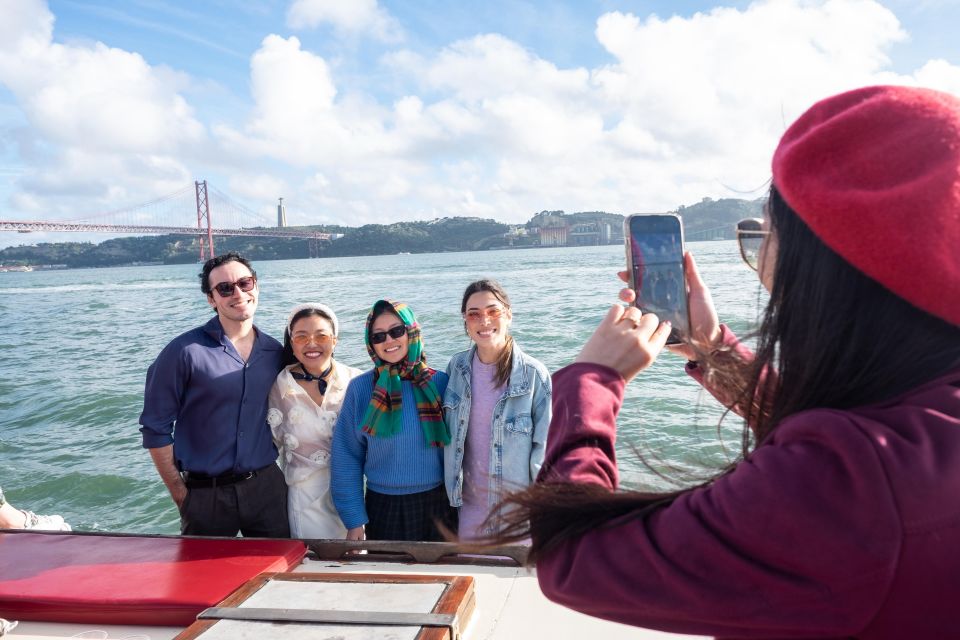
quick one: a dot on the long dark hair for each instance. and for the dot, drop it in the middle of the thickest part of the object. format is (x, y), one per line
(835, 338)
(288, 357)
(505, 357)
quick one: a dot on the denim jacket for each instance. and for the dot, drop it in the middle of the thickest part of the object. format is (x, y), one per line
(521, 418)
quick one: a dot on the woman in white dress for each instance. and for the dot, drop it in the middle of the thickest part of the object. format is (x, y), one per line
(304, 404)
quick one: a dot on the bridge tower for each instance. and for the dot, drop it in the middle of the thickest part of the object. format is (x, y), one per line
(281, 215)
(203, 217)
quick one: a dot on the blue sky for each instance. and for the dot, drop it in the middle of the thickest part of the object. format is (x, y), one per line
(368, 111)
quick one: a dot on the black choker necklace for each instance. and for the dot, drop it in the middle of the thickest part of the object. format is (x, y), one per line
(309, 377)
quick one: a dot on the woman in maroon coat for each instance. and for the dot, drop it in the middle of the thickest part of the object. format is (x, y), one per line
(843, 517)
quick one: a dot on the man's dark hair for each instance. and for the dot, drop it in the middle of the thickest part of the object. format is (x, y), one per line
(215, 262)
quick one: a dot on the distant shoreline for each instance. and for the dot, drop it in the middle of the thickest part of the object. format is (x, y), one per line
(706, 220)
(63, 267)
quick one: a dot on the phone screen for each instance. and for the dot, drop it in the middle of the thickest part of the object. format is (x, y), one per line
(655, 261)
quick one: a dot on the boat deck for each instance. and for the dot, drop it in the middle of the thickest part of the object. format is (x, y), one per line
(510, 606)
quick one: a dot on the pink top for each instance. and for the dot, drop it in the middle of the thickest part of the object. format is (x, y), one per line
(843, 523)
(476, 456)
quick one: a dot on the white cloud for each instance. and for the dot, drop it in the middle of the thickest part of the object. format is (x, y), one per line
(258, 187)
(101, 123)
(489, 66)
(95, 97)
(687, 107)
(292, 88)
(27, 25)
(683, 69)
(80, 184)
(690, 107)
(940, 75)
(701, 101)
(351, 17)
(718, 88)
(297, 117)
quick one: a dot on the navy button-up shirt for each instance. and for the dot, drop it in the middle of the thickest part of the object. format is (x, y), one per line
(204, 399)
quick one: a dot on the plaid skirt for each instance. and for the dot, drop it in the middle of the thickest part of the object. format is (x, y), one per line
(412, 517)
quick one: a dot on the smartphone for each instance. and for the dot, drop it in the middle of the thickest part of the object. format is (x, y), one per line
(655, 264)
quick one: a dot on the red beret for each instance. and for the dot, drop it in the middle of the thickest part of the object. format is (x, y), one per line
(875, 173)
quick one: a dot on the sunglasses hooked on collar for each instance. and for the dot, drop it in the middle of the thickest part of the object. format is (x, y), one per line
(379, 337)
(225, 289)
(750, 237)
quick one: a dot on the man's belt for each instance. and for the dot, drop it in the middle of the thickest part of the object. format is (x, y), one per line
(195, 480)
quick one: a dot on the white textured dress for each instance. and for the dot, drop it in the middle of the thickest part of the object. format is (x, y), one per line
(302, 432)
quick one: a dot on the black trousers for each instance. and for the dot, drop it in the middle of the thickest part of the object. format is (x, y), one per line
(257, 508)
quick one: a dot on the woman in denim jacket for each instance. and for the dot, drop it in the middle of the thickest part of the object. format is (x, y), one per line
(497, 406)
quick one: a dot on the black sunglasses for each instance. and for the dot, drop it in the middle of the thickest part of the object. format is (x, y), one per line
(379, 337)
(225, 289)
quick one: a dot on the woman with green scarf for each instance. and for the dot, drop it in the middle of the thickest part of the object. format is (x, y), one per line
(391, 431)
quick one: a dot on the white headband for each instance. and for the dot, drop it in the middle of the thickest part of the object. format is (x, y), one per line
(322, 308)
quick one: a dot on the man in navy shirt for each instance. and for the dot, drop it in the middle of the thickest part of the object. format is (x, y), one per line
(204, 414)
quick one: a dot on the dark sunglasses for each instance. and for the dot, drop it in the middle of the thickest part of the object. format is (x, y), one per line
(750, 236)
(379, 337)
(225, 289)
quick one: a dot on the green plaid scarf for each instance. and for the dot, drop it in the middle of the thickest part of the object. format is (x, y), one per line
(383, 416)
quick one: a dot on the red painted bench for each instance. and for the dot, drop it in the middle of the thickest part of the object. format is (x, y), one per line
(107, 579)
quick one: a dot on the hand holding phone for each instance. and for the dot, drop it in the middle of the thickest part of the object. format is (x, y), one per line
(655, 265)
(625, 342)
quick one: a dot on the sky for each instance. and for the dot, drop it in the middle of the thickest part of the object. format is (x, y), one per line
(377, 111)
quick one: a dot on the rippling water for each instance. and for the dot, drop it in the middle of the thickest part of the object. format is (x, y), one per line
(76, 345)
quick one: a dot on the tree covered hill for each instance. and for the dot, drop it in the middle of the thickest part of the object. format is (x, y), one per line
(444, 234)
(719, 214)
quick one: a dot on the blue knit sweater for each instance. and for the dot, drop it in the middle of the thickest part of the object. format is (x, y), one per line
(397, 465)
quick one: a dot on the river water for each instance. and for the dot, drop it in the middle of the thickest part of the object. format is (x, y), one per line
(76, 344)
